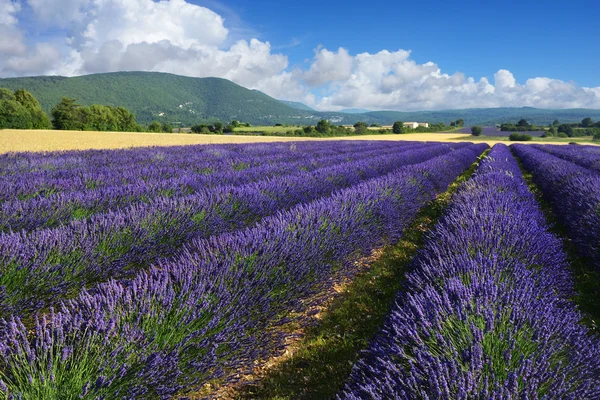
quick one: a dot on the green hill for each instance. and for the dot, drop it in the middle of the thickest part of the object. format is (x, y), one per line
(297, 105)
(159, 96)
(187, 101)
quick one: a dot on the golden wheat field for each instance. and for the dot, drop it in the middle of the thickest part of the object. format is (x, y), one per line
(12, 140)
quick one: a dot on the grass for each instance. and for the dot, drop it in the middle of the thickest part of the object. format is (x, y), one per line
(322, 362)
(587, 279)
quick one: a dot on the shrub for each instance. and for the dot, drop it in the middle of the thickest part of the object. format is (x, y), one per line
(476, 130)
(520, 137)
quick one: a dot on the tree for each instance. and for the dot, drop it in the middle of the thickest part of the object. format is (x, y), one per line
(67, 115)
(476, 130)
(523, 123)
(235, 123)
(361, 127)
(323, 126)
(200, 128)
(556, 122)
(460, 122)
(6, 94)
(587, 122)
(452, 123)
(217, 127)
(155, 126)
(566, 129)
(398, 127)
(167, 128)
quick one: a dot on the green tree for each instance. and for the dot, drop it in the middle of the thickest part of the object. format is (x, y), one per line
(167, 128)
(566, 129)
(556, 122)
(361, 127)
(460, 122)
(67, 115)
(587, 122)
(155, 126)
(398, 127)
(13, 115)
(217, 127)
(523, 123)
(200, 128)
(6, 94)
(323, 126)
(476, 130)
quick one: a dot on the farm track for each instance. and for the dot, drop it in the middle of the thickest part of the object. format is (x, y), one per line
(317, 364)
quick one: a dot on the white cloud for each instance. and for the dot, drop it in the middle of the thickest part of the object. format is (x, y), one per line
(88, 36)
(328, 66)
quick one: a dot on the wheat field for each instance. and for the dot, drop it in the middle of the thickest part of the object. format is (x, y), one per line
(12, 140)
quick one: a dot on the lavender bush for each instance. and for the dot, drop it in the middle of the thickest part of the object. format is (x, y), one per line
(484, 314)
(208, 311)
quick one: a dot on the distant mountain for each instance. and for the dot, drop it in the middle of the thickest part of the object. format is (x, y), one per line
(355, 111)
(187, 101)
(297, 105)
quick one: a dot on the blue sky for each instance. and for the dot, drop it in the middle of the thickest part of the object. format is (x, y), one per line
(329, 54)
(559, 39)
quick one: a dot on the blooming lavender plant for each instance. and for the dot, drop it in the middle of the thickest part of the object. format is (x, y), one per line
(484, 312)
(207, 311)
(585, 156)
(40, 267)
(574, 193)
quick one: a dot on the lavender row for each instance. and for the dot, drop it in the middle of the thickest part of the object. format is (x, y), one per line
(484, 314)
(42, 212)
(24, 186)
(585, 156)
(40, 267)
(574, 193)
(75, 160)
(206, 313)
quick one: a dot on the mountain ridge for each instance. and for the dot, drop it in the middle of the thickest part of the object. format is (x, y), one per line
(187, 101)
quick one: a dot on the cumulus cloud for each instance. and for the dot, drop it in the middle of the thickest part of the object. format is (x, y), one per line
(89, 36)
(391, 80)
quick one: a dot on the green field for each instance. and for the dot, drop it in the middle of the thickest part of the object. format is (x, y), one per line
(487, 139)
(266, 129)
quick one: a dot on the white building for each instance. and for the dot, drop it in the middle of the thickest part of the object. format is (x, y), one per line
(411, 125)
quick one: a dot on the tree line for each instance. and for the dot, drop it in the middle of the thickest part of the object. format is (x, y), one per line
(21, 110)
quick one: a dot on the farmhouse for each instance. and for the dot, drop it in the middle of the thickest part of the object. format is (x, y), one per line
(414, 125)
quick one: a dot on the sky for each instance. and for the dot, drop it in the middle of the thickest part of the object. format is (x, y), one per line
(329, 54)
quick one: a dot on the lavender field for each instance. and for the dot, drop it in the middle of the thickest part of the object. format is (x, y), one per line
(151, 273)
(493, 131)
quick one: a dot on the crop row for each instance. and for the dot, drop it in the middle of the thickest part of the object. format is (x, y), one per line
(89, 160)
(119, 172)
(484, 313)
(47, 212)
(574, 193)
(206, 312)
(43, 266)
(585, 156)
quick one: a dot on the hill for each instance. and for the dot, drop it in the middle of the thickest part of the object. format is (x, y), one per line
(160, 96)
(187, 101)
(297, 105)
